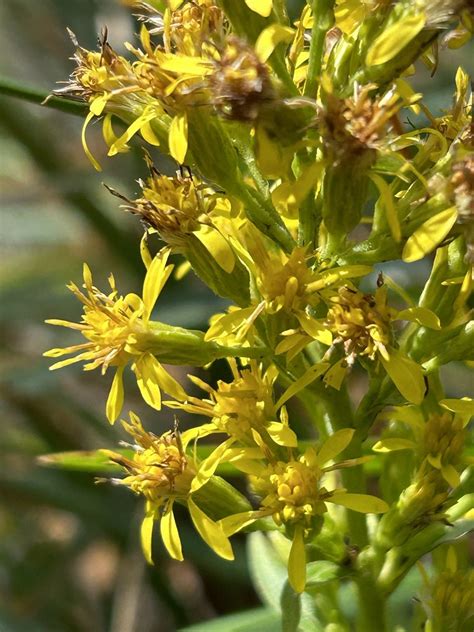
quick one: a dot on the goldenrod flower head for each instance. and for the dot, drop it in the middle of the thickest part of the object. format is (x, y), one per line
(443, 440)
(159, 468)
(362, 322)
(161, 471)
(437, 441)
(448, 597)
(240, 83)
(237, 407)
(292, 490)
(293, 494)
(194, 25)
(118, 331)
(173, 206)
(100, 73)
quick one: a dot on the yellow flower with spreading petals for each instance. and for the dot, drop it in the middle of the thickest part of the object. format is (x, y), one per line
(244, 410)
(292, 493)
(118, 332)
(162, 473)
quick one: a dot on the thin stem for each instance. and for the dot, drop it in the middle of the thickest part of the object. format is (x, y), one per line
(323, 20)
(12, 88)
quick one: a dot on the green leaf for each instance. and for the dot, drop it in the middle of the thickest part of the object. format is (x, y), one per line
(83, 461)
(321, 572)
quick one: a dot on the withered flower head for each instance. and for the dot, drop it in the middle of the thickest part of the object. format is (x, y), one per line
(240, 83)
(358, 124)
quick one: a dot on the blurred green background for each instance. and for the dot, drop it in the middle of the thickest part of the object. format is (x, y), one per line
(69, 550)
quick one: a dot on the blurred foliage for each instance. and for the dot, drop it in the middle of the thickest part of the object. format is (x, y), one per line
(69, 550)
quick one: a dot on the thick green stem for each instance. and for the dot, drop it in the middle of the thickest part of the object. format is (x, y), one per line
(371, 613)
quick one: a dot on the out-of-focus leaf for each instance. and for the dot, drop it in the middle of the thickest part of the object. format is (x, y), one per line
(269, 575)
(290, 609)
(13, 88)
(261, 619)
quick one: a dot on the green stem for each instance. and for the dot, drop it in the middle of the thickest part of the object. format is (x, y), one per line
(323, 20)
(12, 88)
(337, 414)
(371, 613)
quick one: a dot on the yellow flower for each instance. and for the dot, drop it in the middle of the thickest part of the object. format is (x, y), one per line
(448, 597)
(362, 322)
(286, 284)
(118, 332)
(162, 473)
(244, 410)
(292, 492)
(437, 441)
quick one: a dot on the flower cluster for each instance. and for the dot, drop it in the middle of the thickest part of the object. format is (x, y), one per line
(296, 179)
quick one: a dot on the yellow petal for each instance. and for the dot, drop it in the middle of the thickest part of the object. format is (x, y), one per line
(115, 399)
(144, 251)
(364, 503)
(146, 535)
(218, 247)
(393, 39)
(108, 131)
(144, 369)
(211, 532)
(465, 405)
(232, 524)
(406, 374)
(168, 384)
(98, 104)
(170, 536)
(262, 7)
(228, 323)
(297, 562)
(309, 376)
(210, 464)
(421, 315)
(149, 135)
(94, 162)
(390, 211)
(269, 39)
(178, 137)
(314, 329)
(155, 279)
(451, 475)
(392, 444)
(120, 144)
(335, 444)
(335, 375)
(282, 434)
(429, 235)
